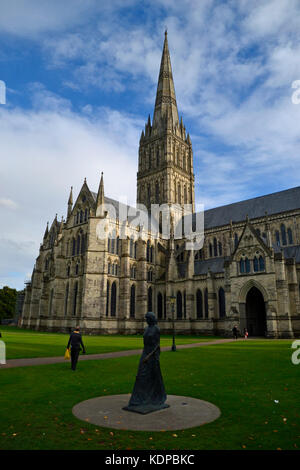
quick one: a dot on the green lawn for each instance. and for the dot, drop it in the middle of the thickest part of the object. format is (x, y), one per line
(28, 344)
(254, 383)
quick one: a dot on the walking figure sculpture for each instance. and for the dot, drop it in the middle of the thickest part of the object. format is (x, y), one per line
(149, 392)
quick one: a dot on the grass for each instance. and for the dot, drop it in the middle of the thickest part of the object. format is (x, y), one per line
(29, 343)
(254, 383)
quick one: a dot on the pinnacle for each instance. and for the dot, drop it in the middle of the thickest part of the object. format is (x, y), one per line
(165, 96)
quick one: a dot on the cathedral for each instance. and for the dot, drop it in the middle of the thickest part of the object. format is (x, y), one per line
(246, 272)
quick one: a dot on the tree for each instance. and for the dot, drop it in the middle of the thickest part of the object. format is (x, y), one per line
(8, 299)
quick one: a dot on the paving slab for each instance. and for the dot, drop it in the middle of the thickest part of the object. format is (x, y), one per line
(183, 413)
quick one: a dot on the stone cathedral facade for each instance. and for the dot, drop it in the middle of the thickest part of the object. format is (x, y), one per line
(247, 272)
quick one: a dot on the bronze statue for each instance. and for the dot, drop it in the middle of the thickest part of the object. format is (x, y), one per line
(149, 392)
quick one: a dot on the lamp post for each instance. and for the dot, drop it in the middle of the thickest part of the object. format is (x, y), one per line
(173, 300)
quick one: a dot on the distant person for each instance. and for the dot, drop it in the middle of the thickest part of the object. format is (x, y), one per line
(235, 332)
(245, 333)
(75, 341)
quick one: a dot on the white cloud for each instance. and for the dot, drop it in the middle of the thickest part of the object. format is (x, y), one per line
(31, 18)
(8, 204)
(52, 150)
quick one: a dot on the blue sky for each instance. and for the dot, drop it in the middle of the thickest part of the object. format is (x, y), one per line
(81, 80)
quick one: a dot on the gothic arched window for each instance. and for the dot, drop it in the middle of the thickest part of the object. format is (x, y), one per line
(83, 244)
(157, 192)
(148, 251)
(131, 248)
(220, 249)
(283, 234)
(113, 299)
(290, 236)
(242, 266)
(179, 305)
(179, 193)
(78, 245)
(159, 306)
(199, 304)
(215, 247)
(206, 303)
(255, 265)
(277, 236)
(150, 299)
(75, 298)
(107, 298)
(66, 299)
(261, 263)
(236, 240)
(222, 311)
(112, 245)
(132, 301)
(51, 302)
(247, 265)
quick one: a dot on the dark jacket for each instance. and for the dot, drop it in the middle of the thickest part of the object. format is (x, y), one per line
(75, 341)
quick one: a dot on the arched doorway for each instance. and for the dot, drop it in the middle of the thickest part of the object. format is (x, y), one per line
(255, 313)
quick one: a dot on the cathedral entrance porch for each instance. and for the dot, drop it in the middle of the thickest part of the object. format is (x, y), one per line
(256, 323)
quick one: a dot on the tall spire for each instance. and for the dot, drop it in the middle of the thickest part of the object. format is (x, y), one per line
(46, 231)
(70, 202)
(165, 95)
(100, 198)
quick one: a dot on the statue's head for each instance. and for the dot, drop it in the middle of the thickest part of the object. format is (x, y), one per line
(151, 318)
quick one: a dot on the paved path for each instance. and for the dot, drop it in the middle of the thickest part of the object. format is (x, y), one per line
(89, 357)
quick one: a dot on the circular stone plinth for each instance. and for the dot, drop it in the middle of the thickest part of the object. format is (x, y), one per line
(183, 413)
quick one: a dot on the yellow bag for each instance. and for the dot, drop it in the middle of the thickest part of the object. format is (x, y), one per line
(67, 354)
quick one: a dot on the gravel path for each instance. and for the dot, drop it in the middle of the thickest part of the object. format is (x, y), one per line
(89, 357)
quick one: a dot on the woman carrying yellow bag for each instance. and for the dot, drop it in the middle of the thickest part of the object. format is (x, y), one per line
(67, 354)
(75, 341)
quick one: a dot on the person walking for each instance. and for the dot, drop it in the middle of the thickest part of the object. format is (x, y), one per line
(245, 333)
(75, 341)
(235, 332)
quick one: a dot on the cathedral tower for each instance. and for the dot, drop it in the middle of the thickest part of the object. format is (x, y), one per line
(165, 173)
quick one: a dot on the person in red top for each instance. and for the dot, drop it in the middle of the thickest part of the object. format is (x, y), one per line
(75, 341)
